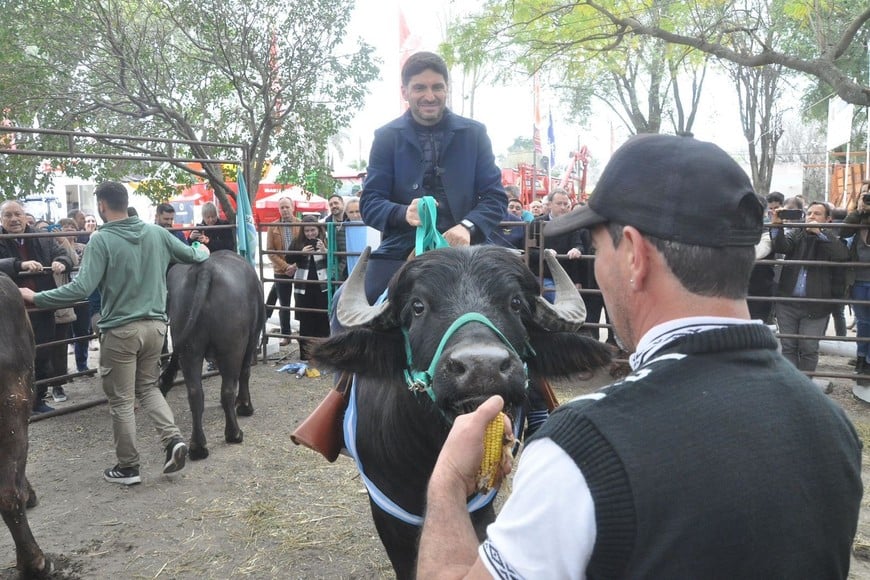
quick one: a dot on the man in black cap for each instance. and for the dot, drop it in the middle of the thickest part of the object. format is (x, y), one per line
(713, 458)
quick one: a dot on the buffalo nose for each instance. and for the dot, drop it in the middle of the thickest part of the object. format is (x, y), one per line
(481, 365)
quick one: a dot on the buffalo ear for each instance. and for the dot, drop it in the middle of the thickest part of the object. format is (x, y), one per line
(364, 351)
(559, 354)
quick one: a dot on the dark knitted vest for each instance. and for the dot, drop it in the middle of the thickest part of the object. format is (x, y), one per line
(431, 140)
(717, 459)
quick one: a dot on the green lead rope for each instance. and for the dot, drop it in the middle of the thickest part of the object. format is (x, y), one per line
(428, 236)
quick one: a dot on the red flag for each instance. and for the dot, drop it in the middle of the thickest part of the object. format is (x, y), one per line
(408, 45)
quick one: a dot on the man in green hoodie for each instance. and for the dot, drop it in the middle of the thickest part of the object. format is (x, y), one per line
(127, 260)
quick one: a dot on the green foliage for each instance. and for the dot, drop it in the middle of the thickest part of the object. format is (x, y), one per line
(522, 145)
(317, 180)
(157, 190)
(274, 77)
(582, 56)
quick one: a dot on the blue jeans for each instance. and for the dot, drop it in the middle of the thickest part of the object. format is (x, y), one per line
(861, 291)
(549, 290)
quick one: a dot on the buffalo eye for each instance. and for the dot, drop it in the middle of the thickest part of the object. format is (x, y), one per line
(418, 307)
(516, 304)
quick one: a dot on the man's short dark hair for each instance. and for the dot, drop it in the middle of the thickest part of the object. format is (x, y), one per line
(775, 197)
(555, 192)
(797, 201)
(338, 195)
(423, 61)
(131, 211)
(823, 204)
(73, 213)
(165, 208)
(705, 270)
(113, 194)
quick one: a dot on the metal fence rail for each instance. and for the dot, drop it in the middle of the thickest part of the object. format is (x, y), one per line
(532, 243)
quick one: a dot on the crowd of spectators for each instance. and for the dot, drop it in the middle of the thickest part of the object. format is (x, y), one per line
(802, 316)
(44, 263)
(801, 298)
(50, 261)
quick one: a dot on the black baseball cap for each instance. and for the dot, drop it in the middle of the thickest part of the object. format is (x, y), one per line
(673, 188)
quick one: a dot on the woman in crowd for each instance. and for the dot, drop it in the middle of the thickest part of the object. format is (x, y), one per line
(63, 317)
(309, 286)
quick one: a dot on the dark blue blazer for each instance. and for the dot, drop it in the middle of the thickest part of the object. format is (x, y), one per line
(471, 179)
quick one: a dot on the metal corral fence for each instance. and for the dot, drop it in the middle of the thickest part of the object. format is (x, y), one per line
(335, 259)
(46, 271)
(534, 242)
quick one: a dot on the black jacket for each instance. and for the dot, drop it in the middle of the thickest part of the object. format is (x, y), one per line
(44, 250)
(560, 244)
(224, 239)
(822, 281)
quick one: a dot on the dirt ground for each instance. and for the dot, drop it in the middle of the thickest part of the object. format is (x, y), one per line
(262, 509)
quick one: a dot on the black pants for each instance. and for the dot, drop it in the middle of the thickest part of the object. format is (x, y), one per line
(43, 331)
(284, 289)
(82, 327)
(378, 275)
(62, 331)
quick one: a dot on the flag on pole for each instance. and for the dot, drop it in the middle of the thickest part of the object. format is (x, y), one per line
(536, 130)
(246, 232)
(839, 122)
(409, 43)
(551, 141)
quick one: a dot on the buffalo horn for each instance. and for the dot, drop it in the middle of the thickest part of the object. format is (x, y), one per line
(568, 312)
(353, 308)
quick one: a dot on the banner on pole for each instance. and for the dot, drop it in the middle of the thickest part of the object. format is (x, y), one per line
(551, 141)
(536, 127)
(839, 122)
(246, 232)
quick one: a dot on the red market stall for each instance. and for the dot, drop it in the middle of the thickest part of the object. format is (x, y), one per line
(266, 207)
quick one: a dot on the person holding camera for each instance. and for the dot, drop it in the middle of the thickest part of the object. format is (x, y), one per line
(214, 239)
(859, 251)
(308, 252)
(807, 319)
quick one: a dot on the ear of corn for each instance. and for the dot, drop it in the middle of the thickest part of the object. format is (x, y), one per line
(495, 445)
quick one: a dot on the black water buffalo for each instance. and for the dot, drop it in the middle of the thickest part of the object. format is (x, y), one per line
(216, 311)
(17, 352)
(400, 425)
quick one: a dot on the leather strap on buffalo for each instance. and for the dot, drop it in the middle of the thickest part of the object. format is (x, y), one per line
(543, 386)
(322, 430)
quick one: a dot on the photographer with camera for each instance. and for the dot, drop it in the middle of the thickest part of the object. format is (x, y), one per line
(808, 319)
(308, 253)
(859, 251)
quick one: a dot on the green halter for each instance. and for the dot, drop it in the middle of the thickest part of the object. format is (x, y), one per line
(429, 238)
(421, 381)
